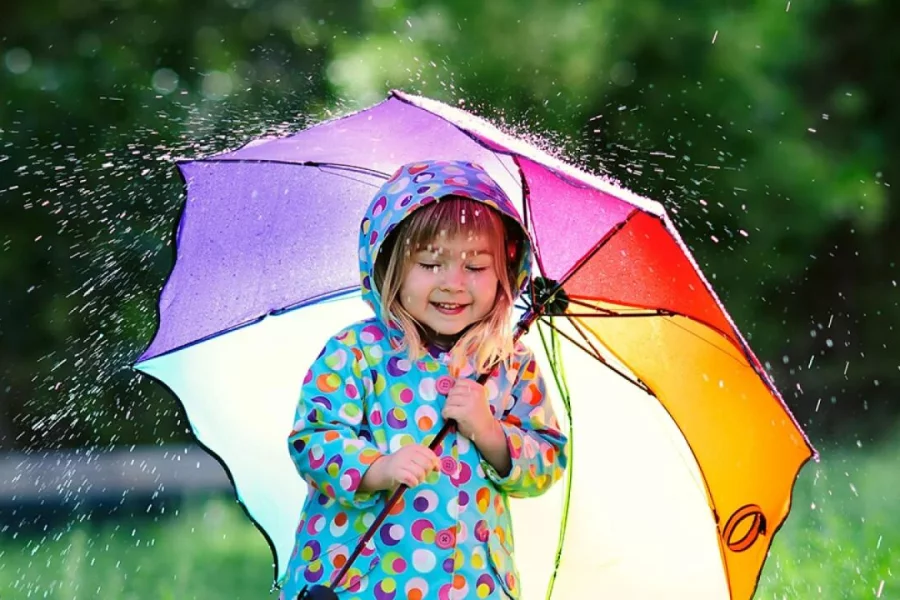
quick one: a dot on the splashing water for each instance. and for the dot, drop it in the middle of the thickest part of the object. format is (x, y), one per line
(97, 210)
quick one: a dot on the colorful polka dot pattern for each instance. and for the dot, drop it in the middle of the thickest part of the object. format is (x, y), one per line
(450, 537)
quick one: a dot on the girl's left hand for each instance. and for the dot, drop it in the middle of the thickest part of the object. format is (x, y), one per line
(467, 404)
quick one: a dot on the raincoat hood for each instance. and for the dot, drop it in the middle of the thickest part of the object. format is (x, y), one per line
(416, 185)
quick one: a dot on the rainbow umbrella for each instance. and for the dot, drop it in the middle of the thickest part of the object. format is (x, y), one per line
(683, 454)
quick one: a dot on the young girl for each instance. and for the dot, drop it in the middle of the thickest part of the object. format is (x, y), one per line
(443, 255)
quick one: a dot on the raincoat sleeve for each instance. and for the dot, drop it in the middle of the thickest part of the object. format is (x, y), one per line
(537, 447)
(325, 443)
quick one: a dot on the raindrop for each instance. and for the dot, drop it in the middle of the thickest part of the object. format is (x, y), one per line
(216, 85)
(18, 60)
(165, 81)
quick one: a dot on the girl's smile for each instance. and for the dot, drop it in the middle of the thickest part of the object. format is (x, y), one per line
(449, 309)
(450, 285)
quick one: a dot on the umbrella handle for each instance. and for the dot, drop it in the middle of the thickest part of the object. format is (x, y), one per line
(521, 327)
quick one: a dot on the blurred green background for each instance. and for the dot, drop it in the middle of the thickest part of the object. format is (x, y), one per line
(769, 129)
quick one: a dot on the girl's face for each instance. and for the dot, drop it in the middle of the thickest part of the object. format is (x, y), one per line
(450, 285)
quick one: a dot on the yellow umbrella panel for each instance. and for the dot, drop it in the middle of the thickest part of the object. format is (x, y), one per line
(639, 298)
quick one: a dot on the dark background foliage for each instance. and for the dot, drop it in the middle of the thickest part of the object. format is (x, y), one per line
(768, 129)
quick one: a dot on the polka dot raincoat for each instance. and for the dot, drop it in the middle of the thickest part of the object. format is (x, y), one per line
(451, 537)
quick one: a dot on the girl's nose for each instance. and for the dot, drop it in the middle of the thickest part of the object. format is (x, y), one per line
(453, 279)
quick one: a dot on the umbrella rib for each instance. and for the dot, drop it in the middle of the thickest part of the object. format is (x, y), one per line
(600, 243)
(609, 314)
(335, 169)
(587, 340)
(646, 311)
(309, 163)
(633, 378)
(669, 313)
(529, 226)
(590, 350)
(660, 312)
(593, 353)
(663, 312)
(581, 262)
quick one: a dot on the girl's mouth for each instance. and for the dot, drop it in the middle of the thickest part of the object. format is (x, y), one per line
(447, 308)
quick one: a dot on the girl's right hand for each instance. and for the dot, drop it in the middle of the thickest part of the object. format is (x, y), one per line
(409, 465)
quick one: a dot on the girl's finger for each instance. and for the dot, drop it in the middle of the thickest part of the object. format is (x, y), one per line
(454, 405)
(468, 385)
(452, 396)
(428, 454)
(458, 400)
(403, 477)
(411, 477)
(423, 463)
(421, 475)
(430, 460)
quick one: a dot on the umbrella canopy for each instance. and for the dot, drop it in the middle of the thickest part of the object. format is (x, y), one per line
(683, 453)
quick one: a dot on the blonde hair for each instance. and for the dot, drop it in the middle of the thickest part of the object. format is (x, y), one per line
(488, 340)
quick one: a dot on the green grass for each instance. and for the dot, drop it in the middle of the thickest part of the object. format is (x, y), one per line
(842, 541)
(209, 550)
(842, 538)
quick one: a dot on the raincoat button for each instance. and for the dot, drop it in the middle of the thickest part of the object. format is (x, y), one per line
(445, 539)
(444, 384)
(448, 465)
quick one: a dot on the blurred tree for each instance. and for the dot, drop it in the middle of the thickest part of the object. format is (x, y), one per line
(766, 128)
